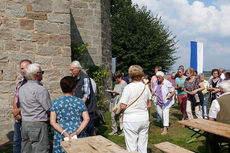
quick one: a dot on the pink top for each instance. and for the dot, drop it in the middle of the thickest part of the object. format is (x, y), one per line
(153, 80)
(172, 81)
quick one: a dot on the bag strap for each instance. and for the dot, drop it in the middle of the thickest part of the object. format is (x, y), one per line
(137, 98)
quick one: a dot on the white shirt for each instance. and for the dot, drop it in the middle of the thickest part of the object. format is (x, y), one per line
(138, 111)
(215, 107)
(166, 89)
(222, 76)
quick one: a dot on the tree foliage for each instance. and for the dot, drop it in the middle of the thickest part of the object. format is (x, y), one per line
(140, 38)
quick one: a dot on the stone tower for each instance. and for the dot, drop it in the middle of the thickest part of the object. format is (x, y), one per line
(42, 31)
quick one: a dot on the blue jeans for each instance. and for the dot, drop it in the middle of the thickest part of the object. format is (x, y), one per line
(158, 116)
(205, 108)
(17, 137)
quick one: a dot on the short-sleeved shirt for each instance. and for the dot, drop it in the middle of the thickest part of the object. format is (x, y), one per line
(170, 79)
(68, 111)
(215, 107)
(138, 111)
(190, 86)
(180, 83)
(205, 83)
(35, 101)
(153, 80)
(120, 87)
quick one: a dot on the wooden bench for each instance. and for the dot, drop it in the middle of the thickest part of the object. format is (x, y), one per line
(168, 147)
(95, 144)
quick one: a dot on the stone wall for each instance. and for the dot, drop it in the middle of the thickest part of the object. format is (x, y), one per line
(90, 23)
(42, 31)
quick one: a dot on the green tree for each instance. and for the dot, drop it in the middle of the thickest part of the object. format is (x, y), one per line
(140, 38)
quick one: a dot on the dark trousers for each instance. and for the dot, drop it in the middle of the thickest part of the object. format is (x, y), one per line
(213, 142)
(90, 126)
(17, 137)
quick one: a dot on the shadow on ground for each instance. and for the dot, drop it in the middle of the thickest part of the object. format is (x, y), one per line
(6, 146)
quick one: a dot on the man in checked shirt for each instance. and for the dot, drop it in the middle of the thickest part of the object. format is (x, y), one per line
(84, 91)
(17, 109)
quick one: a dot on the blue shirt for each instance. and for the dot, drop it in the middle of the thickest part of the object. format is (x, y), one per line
(180, 83)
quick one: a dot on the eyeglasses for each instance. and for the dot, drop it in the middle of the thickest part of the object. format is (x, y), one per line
(41, 72)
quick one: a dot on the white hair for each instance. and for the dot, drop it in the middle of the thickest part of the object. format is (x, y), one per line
(225, 85)
(76, 64)
(30, 70)
(160, 73)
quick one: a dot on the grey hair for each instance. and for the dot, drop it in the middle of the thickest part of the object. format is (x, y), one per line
(160, 73)
(225, 85)
(76, 64)
(31, 70)
(173, 73)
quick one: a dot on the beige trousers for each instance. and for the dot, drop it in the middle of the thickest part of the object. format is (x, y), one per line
(189, 110)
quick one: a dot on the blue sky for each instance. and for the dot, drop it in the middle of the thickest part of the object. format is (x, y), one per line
(206, 21)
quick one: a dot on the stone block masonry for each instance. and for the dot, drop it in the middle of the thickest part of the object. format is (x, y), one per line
(42, 31)
(38, 30)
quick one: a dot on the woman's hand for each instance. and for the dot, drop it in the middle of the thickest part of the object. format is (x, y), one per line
(149, 104)
(193, 92)
(123, 106)
(73, 134)
(216, 90)
(65, 134)
(116, 92)
(18, 117)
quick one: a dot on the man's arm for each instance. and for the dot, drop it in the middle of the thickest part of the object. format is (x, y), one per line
(86, 89)
(214, 110)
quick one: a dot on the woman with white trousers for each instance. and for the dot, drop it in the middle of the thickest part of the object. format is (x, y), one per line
(164, 92)
(135, 102)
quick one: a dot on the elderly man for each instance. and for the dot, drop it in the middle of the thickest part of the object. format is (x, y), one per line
(17, 109)
(220, 111)
(35, 103)
(84, 91)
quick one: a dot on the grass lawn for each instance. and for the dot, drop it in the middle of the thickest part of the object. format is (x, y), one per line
(176, 133)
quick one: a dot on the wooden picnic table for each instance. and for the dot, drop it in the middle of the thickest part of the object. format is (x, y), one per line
(95, 144)
(214, 127)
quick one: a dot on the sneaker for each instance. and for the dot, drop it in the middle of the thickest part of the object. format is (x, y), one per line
(112, 133)
(122, 134)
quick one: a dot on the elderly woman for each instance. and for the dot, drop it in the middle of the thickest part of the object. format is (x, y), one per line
(164, 91)
(193, 87)
(135, 101)
(67, 113)
(172, 78)
(116, 94)
(214, 84)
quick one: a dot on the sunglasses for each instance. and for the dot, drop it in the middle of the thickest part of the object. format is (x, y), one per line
(41, 72)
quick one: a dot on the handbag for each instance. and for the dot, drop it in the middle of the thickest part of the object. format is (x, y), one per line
(117, 107)
(122, 113)
(154, 98)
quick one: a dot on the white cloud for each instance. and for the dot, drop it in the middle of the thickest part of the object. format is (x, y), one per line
(208, 24)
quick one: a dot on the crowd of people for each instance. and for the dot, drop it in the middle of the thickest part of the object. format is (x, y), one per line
(189, 88)
(72, 115)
